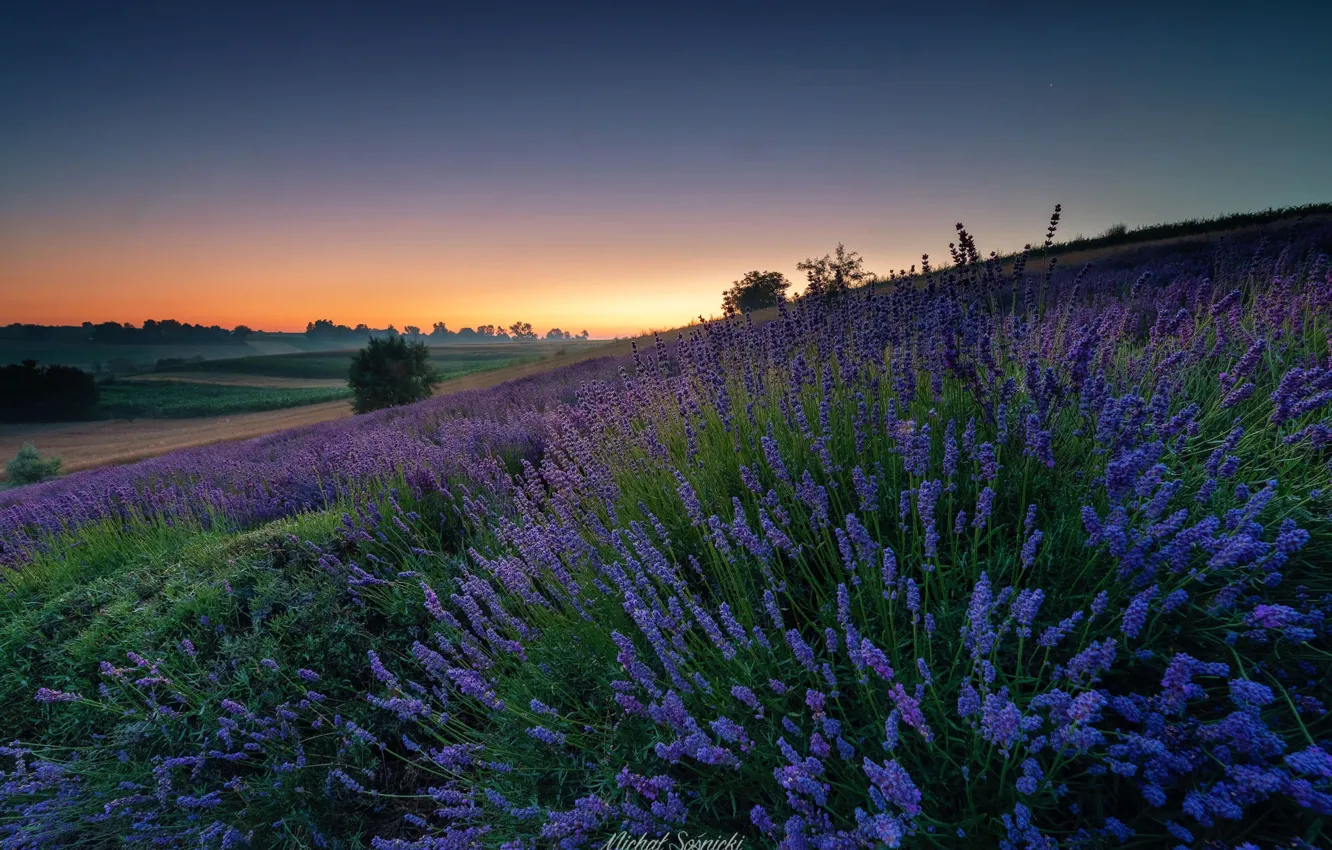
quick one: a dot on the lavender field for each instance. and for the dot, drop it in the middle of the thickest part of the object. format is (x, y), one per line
(1020, 558)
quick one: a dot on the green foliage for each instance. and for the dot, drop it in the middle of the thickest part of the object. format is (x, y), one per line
(29, 467)
(449, 361)
(206, 606)
(391, 371)
(47, 393)
(755, 291)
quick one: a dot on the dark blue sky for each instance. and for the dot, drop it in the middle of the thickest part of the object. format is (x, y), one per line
(635, 150)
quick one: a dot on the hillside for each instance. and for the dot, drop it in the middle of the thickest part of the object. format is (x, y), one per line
(897, 569)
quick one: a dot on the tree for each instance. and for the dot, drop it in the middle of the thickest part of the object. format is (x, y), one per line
(834, 275)
(411, 330)
(581, 335)
(326, 328)
(521, 331)
(29, 467)
(390, 371)
(440, 331)
(754, 291)
(50, 393)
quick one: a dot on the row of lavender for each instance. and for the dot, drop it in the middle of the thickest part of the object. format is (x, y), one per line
(1029, 562)
(253, 481)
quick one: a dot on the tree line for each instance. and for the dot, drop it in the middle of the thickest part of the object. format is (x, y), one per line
(151, 332)
(46, 393)
(173, 332)
(440, 332)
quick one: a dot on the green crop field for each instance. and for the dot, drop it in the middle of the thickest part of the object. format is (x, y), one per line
(449, 361)
(179, 400)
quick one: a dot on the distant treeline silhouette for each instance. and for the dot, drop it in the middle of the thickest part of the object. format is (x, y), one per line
(172, 332)
(516, 332)
(152, 332)
(47, 393)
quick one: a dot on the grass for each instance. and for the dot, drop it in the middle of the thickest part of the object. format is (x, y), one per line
(181, 400)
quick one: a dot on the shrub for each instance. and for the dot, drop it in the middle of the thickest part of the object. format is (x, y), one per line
(390, 371)
(29, 467)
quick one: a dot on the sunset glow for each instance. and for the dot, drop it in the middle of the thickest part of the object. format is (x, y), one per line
(486, 170)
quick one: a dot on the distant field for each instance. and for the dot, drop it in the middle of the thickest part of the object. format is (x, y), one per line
(185, 399)
(273, 382)
(450, 360)
(240, 379)
(85, 445)
(116, 358)
(126, 358)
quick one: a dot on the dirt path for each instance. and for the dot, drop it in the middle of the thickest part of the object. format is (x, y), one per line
(84, 445)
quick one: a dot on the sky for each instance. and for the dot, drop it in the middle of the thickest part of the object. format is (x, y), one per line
(608, 167)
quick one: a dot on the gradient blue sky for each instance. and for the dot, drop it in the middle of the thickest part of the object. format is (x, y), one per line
(608, 167)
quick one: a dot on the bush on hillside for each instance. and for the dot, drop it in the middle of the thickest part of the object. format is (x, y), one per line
(29, 467)
(755, 291)
(390, 371)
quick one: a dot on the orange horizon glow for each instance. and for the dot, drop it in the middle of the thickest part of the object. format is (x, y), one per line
(611, 278)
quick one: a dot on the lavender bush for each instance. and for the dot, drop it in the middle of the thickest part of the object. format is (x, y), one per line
(1014, 558)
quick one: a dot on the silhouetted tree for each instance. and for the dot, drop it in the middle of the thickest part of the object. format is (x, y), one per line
(411, 330)
(522, 331)
(833, 275)
(390, 371)
(755, 291)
